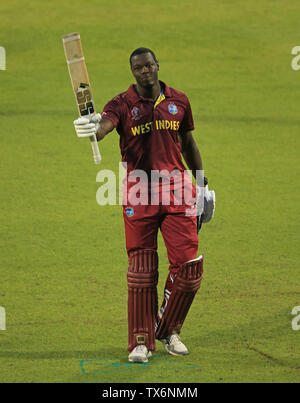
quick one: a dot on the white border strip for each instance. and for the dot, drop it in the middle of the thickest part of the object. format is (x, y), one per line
(71, 38)
(75, 60)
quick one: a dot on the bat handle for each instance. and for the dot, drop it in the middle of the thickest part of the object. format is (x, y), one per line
(96, 152)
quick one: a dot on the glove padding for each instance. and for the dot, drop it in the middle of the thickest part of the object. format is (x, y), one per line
(209, 204)
(87, 127)
(206, 203)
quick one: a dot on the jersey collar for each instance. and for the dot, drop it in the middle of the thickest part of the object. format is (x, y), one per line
(134, 96)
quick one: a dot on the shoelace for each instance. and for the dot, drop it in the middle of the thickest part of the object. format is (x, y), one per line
(140, 349)
(175, 339)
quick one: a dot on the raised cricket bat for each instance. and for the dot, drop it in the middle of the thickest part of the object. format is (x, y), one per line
(80, 82)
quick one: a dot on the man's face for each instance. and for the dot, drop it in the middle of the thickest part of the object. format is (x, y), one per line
(145, 69)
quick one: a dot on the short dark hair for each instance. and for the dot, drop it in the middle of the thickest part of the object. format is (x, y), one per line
(140, 51)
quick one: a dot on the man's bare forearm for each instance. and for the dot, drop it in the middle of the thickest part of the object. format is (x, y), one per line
(191, 154)
(193, 159)
(105, 127)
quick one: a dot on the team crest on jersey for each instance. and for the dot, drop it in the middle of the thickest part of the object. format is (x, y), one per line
(172, 109)
(135, 113)
(129, 211)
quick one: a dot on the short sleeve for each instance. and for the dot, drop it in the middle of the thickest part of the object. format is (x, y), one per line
(112, 111)
(187, 123)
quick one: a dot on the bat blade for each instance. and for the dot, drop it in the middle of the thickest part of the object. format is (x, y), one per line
(80, 82)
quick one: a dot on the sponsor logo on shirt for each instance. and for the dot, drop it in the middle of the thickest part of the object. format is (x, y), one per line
(172, 109)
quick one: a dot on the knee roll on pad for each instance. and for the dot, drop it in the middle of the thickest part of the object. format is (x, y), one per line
(186, 284)
(142, 277)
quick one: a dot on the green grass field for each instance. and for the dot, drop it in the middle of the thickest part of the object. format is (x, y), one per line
(63, 260)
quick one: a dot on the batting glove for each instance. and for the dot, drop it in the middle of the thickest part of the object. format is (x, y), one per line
(206, 203)
(209, 204)
(87, 127)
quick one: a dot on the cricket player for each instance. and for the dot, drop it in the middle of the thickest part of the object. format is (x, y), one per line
(155, 124)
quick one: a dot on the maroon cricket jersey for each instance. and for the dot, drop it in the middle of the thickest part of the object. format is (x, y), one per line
(149, 130)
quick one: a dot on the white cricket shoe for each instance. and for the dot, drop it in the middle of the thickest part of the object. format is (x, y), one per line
(174, 345)
(139, 354)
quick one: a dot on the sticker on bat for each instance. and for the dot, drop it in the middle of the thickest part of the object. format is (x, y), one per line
(84, 100)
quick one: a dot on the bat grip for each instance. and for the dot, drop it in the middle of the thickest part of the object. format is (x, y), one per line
(96, 152)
